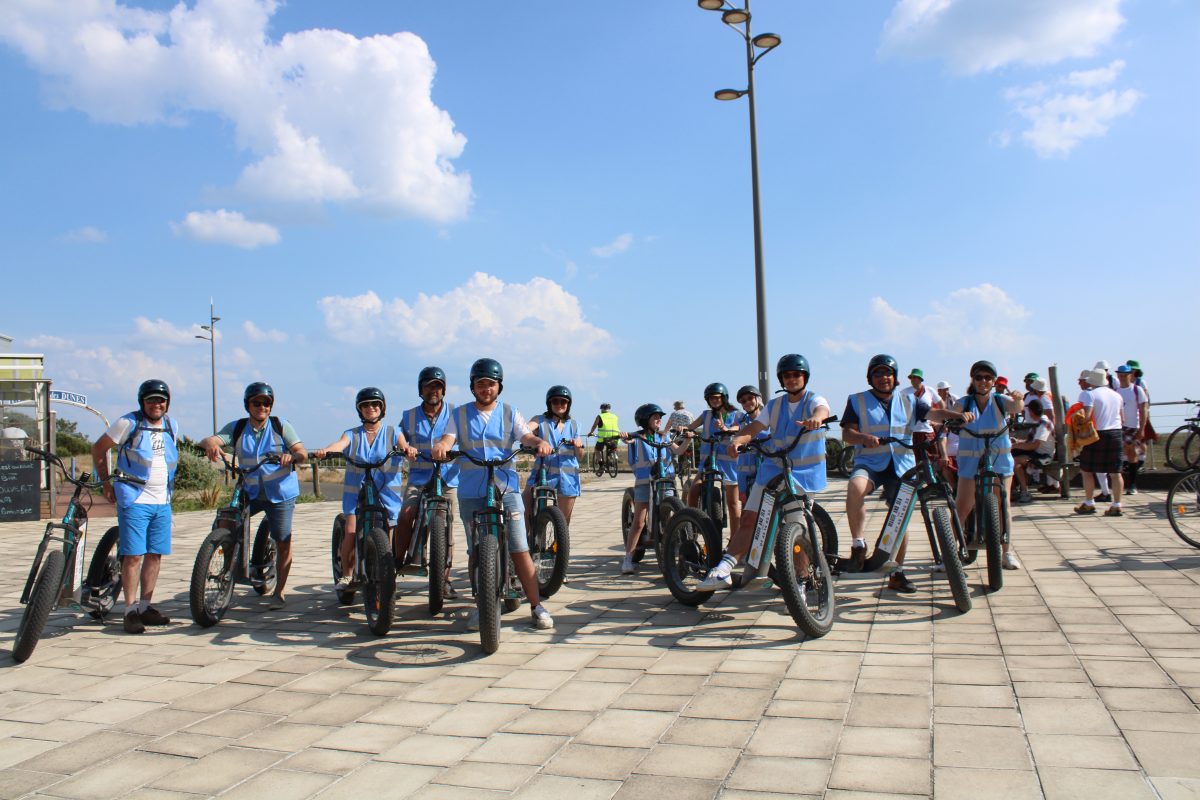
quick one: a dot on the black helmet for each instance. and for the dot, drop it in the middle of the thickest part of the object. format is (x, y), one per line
(430, 374)
(559, 390)
(605, 406)
(366, 396)
(987, 366)
(792, 362)
(748, 389)
(716, 388)
(257, 389)
(487, 368)
(883, 360)
(645, 412)
(153, 388)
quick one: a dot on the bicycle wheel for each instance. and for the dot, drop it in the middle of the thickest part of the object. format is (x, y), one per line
(488, 588)
(104, 574)
(42, 600)
(714, 506)
(804, 577)
(345, 596)
(668, 508)
(828, 531)
(612, 463)
(1183, 507)
(439, 551)
(626, 516)
(379, 588)
(1191, 450)
(948, 544)
(550, 549)
(993, 541)
(1176, 446)
(263, 559)
(691, 547)
(211, 588)
(846, 462)
(598, 461)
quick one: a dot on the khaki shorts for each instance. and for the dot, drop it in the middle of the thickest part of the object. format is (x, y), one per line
(413, 493)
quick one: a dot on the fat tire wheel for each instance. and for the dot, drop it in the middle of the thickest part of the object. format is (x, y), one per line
(948, 545)
(104, 573)
(439, 549)
(992, 539)
(42, 600)
(827, 530)
(379, 590)
(793, 538)
(217, 548)
(626, 516)
(1183, 508)
(262, 571)
(550, 540)
(344, 596)
(667, 509)
(511, 604)
(691, 547)
(487, 597)
(714, 506)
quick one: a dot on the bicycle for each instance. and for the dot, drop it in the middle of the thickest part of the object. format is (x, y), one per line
(662, 507)
(685, 465)
(430, 543)
(1183, 445)
(935, 496)
(604, 457)
(58, 574)
(374, 568)
(693, 546)
(839, 457)
(712, 484)
(986, 527)
(549, 533)
(227, 557)
(1183, 507)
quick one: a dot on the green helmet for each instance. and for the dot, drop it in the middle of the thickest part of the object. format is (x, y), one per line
(487, 368)
(716, 388)
(645, 412)
(257, 389)
(368, 395)
(153, 388)
(430, 374)
(883, 360)
(792, 362)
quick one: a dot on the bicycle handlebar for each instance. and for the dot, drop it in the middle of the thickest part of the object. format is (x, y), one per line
(674, 440)
(364, 464)
(245, 472)
(489, 462)
(759, 445)
(53, 458)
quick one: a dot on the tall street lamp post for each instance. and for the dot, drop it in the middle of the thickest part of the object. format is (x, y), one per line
(738, 19)
(211, 335)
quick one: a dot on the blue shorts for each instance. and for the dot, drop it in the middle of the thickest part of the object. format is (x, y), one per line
(641, 493)
(514, 520)
(144, 529)
(278, 514)
(887, 478)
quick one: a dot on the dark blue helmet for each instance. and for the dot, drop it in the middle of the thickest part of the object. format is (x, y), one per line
(645, 412)
(257, 389)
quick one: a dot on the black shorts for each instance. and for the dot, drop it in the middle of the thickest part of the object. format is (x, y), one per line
(1104, 455)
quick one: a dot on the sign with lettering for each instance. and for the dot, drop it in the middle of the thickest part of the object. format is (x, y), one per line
(68, 397)
(20, 494)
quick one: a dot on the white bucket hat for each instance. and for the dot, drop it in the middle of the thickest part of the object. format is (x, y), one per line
(1096, 377)
(943, 385)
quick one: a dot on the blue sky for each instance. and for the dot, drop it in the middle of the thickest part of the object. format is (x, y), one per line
(366, 188)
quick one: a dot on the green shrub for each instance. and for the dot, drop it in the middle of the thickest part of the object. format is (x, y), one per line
(194, 473)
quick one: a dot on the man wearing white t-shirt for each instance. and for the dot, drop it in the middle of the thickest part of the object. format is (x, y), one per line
(1037, 450)
(1103, 456)
(922, 430)
(147, 454)
(1135, 405)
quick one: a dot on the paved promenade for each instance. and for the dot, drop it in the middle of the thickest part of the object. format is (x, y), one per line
(1079, 680)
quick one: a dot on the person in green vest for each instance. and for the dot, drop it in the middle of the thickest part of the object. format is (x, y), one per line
(607, 429)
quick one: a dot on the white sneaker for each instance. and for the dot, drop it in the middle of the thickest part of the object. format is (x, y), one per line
(717, 578)
(345, 582)
(541, 618)
(1010, 561)
(627, 567)
(473, 620)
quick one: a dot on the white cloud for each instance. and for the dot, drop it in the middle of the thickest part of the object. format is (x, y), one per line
(159, 332)
(618, 245)
(47, 342)
(981, 35)
(975, 319)
(88, 234)
(1095, 78)
(257, 334)
(514, 321)
(240, 358)
(325, 116)
(225, 227)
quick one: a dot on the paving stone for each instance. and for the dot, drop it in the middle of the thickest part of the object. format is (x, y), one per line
(280, 784)
(69, 758)
(379, 779)
(1084, 752)
(897, 742)
(775, 774)
(653, 787)
(623, 728)
(218, 770)
(475, 719)
(518, 748)
(884, 711)
(551, 722)
(1169, 755)
(1081, 717)
(332, 762)
(120, 776)
(595, 761)
(484, 775)
(557, 787)
(1095, 784)
(957, 783)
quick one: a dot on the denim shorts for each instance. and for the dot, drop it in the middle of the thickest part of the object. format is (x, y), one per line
(278, 514)
(514, 520)
(887, 478)
(144, 529)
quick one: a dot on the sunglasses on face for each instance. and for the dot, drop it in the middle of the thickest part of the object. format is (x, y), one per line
(261, 403)
(155, 401)
(559, 401)
(988, 378)
(371, 404)
(882, 373)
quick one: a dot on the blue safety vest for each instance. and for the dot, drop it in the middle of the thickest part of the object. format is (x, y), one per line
(495, 438)
(970, 449)
(726, 464)
(562, 468)
(388, 479)
(641, 458)
(873, 419)
(808, 456)
(136, 454)
(748, 462)
(422, 434)
(279, 483)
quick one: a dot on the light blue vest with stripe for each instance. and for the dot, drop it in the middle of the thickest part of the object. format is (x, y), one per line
(279, 483)
(136, 454)
(748, 462)
(388, 479)
(489, 440)
(873, 418)
(562, 468)
(726, 464)
(808, 456)
(641, 458)
(970, 449)
(421, 434)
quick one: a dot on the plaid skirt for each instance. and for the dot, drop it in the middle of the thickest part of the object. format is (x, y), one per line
(1104, 455)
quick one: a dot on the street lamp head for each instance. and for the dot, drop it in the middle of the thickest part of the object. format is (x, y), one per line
(767, 41)
(218, 319)
(728, 94)
(735, 16)
(198, 336)
(711, 5)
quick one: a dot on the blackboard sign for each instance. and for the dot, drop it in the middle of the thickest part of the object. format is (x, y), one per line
(20, 494)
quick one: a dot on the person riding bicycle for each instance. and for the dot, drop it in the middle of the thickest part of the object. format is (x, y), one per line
(607, 429)
(747, 463)
(719, 416)
(641, 458)
(487, 429)
(782, 419)
(272, 488)
(365, 443)
(147, 451)
(557, 427)
(986, 411)
(422, 425)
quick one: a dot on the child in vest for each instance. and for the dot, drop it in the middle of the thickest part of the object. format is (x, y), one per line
(719, 416)
(642, 457)
(747, 463)
(557, 428)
